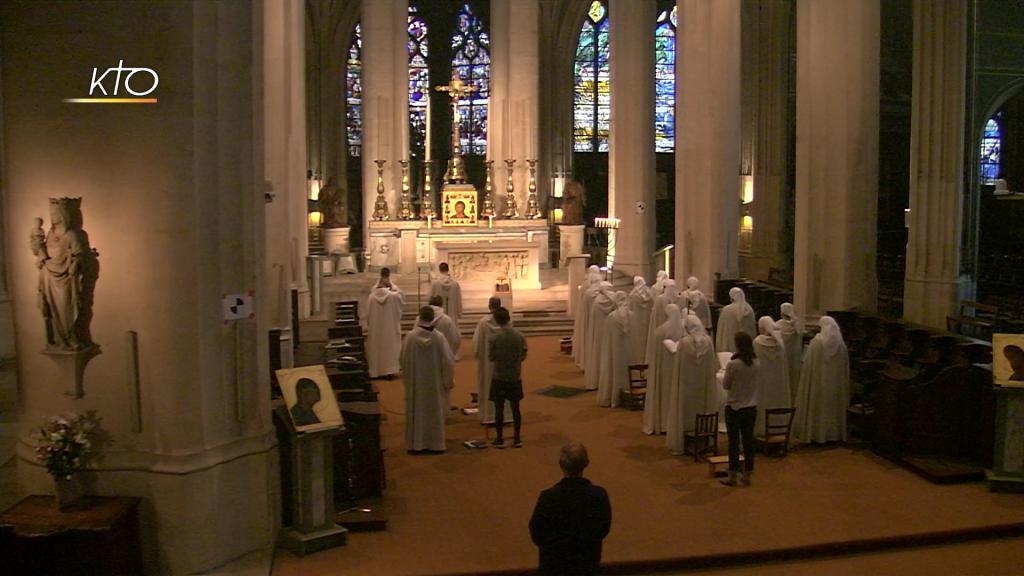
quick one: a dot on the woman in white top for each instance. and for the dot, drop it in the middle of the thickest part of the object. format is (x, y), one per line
(741, 383)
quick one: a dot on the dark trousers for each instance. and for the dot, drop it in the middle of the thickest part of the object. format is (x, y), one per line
(740, 426)
(499, 418)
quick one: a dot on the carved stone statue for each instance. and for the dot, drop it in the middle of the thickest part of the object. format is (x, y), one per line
(68, 269)
(333, 205)
(572, 203)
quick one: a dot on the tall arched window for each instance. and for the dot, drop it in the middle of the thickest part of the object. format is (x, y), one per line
(665, 82)
(419, 83)
(354, 94)
(991, 149)
(592, 94)
(471, 58)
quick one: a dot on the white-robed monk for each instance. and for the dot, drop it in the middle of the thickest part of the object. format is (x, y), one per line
(615, 352)
(485, 330)
(427, 367)
(737, 316)
(602, 306)
(697, 302)
(773, 383)
(641, 303)
(445, 324)
(824, 391)
(450, 292)
(579, 326)
(661, 371)
(670, 295)
(792, 329)
(382, 318)
(694, 387)
(659, 282)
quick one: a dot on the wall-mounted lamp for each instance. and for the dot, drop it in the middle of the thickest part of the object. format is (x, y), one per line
(315, 219)
(558, 185)
(556, 215)
(746, 188)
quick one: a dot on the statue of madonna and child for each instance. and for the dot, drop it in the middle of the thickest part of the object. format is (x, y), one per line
(68, 268)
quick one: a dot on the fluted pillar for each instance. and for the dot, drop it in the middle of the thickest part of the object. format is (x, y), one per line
(933, 284)
(765, 130)
(513, 117)
(385, 101)
(836, 154)
(707, 138)
(631, 157)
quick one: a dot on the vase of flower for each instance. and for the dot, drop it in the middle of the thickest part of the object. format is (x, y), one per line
(64, 443)
(69, 492)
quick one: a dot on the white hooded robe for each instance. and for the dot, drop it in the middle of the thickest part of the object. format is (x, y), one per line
(602, 306)
(427, 367)
(824, 391)
(451, 295)
(773, 377)
(579, 326)
(670, 295)
(641, 303)
(792, 331)
(382, 317)
(737, 316)
(661, 372)
(694, 386)
(447, 327)
(486, 328)
(614, 373)
(697, 302)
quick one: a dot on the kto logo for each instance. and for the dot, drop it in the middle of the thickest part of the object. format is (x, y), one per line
(106, 87)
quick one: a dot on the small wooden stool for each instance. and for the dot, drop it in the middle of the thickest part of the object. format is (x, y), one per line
(565, 345)
(715, 461)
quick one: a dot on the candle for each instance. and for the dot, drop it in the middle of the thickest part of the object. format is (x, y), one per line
(380, 120)
(508, 130)
(490, 221)
(430, 220)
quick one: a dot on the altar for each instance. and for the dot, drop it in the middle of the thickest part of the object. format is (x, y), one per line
(477, 256)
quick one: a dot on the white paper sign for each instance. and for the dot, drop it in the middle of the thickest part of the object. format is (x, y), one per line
(238, 306)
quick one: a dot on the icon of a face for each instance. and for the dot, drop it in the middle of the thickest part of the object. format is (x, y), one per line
(460, 209)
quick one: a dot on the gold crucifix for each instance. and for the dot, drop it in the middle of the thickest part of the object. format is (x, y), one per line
(456, 90)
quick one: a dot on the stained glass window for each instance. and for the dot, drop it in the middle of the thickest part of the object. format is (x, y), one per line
(665, 82)
(471, 58)
(592, 94)
(991, 148)
(354, 93)
(419, 83)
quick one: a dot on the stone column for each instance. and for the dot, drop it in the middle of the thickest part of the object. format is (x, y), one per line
(836, 154)
(933, 284)
(707, 139)
(631, 158)
(765, 129)
(512, 119)
(385, 101)
(284, 161)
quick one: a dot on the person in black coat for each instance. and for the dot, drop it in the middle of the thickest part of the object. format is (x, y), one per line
(571, 519)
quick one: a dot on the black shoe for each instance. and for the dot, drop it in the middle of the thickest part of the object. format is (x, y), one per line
(499, 444)
(517, 444)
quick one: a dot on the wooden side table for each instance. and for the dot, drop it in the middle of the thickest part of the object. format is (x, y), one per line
(103, 538)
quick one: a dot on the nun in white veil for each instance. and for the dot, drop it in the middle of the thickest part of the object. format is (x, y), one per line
(661, 371)
(737, 316)
(697, 302)
(773, 383)
(588, 289)
(602, 306)
(659, 282)
(658, 316)
(694, 387)
(824, 391)
(641, 303)
(614, 373)
(792, 329)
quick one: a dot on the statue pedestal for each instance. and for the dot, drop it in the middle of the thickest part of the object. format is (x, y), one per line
(1007, 473)
(72, 366)
(570, 242)
(336, 240)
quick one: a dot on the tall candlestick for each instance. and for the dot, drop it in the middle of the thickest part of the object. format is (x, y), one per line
(508, 129)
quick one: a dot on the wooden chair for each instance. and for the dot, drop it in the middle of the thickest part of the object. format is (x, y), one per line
(975, 319)
(633, 397)
(704, 437)
(778, 423)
